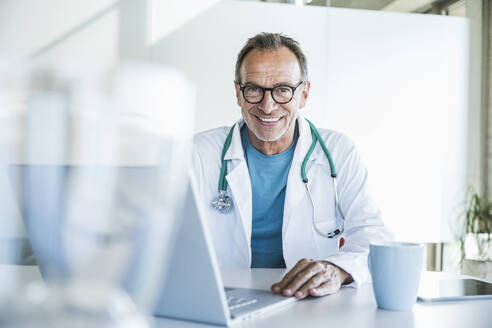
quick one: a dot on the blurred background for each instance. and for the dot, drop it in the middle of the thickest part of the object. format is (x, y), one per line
(408, 81)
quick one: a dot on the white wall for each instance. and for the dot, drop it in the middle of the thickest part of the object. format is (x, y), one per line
(395, 83)
(403, 90)
(50, 30)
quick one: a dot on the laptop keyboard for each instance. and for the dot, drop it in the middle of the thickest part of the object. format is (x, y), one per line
(238, 302)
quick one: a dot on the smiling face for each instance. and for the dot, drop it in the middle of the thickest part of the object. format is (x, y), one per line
(271, 125)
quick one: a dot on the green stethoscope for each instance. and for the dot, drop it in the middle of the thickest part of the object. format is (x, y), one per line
(223, 203)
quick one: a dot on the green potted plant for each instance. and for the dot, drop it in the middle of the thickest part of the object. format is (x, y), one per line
(474, 236)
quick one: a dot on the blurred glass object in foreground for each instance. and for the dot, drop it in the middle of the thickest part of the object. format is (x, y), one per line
(99, 165)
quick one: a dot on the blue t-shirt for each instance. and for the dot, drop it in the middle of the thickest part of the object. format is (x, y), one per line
(268, 174)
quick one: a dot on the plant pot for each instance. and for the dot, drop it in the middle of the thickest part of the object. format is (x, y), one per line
(478, 268)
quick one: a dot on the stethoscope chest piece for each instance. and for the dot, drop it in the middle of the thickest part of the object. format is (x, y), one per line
(222, 203)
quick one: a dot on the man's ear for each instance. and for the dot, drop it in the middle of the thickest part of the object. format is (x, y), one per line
(305, 94)
(238, 93)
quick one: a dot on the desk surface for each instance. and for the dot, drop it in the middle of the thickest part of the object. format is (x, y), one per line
(348, 308)
(352, 308)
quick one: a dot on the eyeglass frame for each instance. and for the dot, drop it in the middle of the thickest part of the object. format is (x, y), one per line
(242, 87)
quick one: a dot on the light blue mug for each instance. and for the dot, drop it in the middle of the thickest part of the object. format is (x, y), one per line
(395, 270)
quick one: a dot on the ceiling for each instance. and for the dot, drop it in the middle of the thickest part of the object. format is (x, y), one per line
(440, 7)
(419, 6)
(358, 4)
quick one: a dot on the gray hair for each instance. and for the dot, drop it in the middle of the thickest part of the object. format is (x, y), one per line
(271, 41)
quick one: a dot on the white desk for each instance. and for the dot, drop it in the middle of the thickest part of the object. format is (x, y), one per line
(351, 308)
(348, 308)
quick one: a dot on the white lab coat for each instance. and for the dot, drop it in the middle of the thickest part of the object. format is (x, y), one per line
(231, 233)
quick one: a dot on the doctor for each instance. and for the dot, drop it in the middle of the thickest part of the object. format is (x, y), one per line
(264, 207)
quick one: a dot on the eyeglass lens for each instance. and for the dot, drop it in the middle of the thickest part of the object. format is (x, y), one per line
(281, 94)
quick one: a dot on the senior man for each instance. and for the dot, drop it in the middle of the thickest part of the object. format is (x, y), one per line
(279, 192)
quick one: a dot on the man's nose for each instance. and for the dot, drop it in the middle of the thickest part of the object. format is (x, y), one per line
(268, 104)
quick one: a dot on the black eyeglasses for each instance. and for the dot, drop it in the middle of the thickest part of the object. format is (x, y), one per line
(281, 94)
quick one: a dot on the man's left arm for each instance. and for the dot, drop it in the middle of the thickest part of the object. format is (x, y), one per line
(363, 226)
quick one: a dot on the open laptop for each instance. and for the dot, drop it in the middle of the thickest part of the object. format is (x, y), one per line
(194, 290)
